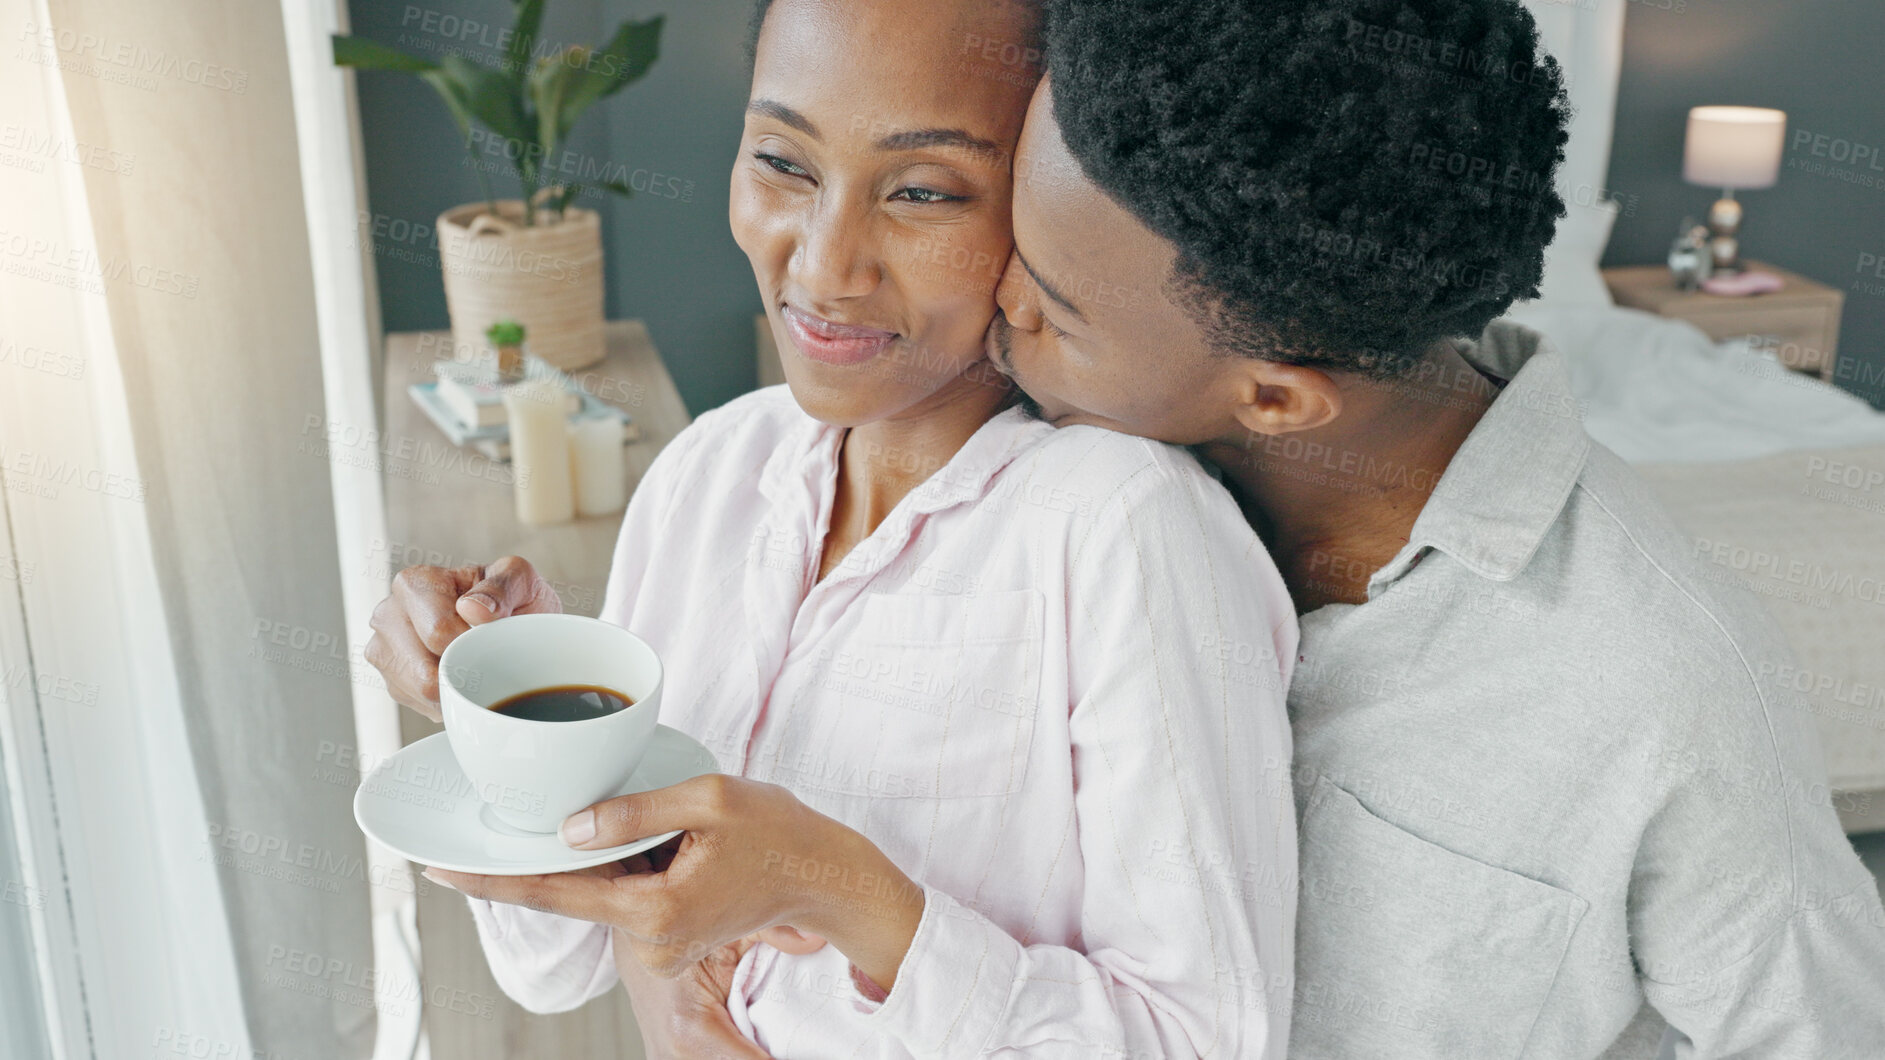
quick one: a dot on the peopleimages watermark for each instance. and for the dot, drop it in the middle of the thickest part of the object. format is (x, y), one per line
(1837, 158)
(1488, 181)
(49, 685)
(338, 979)
(574, 167)
(82, 269)
(172, 1041)
(1844, 473)
(27, 471)
(123, 60)
(399, 778)
(449, 33)
(1871, 266)
(39, 359)
(385, 559)
(404, 456)
(285, 860)
(16, 570)
(1343, 252)
(30, 149)
(23, 894)
(1809, 577)
(1382, 45)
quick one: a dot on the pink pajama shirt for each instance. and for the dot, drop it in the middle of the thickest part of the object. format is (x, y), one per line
(1050, 687)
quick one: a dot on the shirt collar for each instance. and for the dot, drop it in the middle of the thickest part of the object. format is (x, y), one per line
(803, 456)
(1504, 488)
(966, 477)
(809, 453)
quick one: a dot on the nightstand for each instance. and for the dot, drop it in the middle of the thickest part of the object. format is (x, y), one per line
(1798, 323)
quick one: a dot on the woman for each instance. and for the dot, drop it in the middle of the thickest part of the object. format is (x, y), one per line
(1001, 707)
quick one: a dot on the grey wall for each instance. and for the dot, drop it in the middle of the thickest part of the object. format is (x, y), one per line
(1818, 61)
(669, 257)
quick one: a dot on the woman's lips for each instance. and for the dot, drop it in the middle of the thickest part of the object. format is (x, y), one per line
(832, 343)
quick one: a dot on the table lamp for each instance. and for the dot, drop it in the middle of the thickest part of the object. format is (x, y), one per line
(1732, 148)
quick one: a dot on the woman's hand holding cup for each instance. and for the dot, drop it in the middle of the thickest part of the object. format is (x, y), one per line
(430, 606)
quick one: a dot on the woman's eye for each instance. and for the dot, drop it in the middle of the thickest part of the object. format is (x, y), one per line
(925, 195)
(1054, 330)
(790, 169)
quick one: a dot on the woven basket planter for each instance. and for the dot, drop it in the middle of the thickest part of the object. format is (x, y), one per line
(547, 277)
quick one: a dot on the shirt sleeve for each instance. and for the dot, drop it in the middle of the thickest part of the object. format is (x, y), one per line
(1757, 931)
(546, 962)
(1182, 638)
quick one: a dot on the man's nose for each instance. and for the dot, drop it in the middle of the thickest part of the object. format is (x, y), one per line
(1015, 295)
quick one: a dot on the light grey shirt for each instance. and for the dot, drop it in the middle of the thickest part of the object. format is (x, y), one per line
(1550, 805)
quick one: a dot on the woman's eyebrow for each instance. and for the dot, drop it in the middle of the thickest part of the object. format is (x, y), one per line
(916, 139)
(769, 108)
(907, 140)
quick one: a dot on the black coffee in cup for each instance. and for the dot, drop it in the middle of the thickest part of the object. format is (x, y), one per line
(564, 703)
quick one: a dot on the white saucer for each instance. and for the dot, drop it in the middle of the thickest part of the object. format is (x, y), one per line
(420, 805)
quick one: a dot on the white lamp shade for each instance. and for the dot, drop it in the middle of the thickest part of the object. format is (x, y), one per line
(1734, 147)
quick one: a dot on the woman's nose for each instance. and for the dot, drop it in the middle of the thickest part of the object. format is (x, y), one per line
(835, 259)
(1015, 296)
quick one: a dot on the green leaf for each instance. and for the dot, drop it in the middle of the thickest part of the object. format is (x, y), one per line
(523, 39)
(490, 96)
(619, 188)
(624, 60)
(550, 84)
(362, 54)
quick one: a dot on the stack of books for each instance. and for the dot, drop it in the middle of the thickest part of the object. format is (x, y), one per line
(466, 402)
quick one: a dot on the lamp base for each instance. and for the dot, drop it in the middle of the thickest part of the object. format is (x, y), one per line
(1724, 226)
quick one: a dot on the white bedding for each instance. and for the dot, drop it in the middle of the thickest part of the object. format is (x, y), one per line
(1660, 390)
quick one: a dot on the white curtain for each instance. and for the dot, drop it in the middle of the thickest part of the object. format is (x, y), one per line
(181, 659)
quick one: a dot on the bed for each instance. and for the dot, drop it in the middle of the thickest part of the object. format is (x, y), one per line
(1780, 478)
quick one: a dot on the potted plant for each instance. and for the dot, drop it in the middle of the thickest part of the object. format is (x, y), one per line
(508, 337)
(541, 266)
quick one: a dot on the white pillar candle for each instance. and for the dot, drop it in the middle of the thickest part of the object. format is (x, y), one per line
(539, 453)
(596, 464)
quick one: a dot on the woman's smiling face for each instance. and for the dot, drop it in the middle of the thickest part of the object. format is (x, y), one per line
(871, 194)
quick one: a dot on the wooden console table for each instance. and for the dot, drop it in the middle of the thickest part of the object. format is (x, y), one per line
(450, 507)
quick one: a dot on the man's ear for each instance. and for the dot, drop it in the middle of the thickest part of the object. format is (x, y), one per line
(1275, 398)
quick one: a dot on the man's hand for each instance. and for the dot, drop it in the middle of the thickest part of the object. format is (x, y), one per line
(428, 609)
(686, 1017)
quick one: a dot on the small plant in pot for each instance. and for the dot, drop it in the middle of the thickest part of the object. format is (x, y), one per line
(508, 337)
(540, 266)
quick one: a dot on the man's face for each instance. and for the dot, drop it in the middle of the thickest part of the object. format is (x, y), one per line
(1089, 327)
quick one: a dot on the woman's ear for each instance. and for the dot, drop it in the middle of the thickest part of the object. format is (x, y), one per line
(1275, 398)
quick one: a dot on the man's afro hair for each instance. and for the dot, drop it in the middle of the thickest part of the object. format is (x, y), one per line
(1348, 182)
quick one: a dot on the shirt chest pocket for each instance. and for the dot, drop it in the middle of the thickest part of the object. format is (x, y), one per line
(916, 696)
(1407, 950)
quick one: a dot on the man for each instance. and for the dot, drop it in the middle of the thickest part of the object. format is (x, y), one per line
(1548, 807)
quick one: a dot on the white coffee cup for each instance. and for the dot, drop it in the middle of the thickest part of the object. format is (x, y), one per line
(535, 773)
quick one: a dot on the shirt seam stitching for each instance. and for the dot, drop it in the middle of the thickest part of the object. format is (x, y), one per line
(1760, 695)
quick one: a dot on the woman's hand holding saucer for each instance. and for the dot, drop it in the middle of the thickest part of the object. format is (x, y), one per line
(430, 606)
(752, 859)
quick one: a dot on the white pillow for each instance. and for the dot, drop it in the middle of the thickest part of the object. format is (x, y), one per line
(1571, 273)
(1587, 40)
